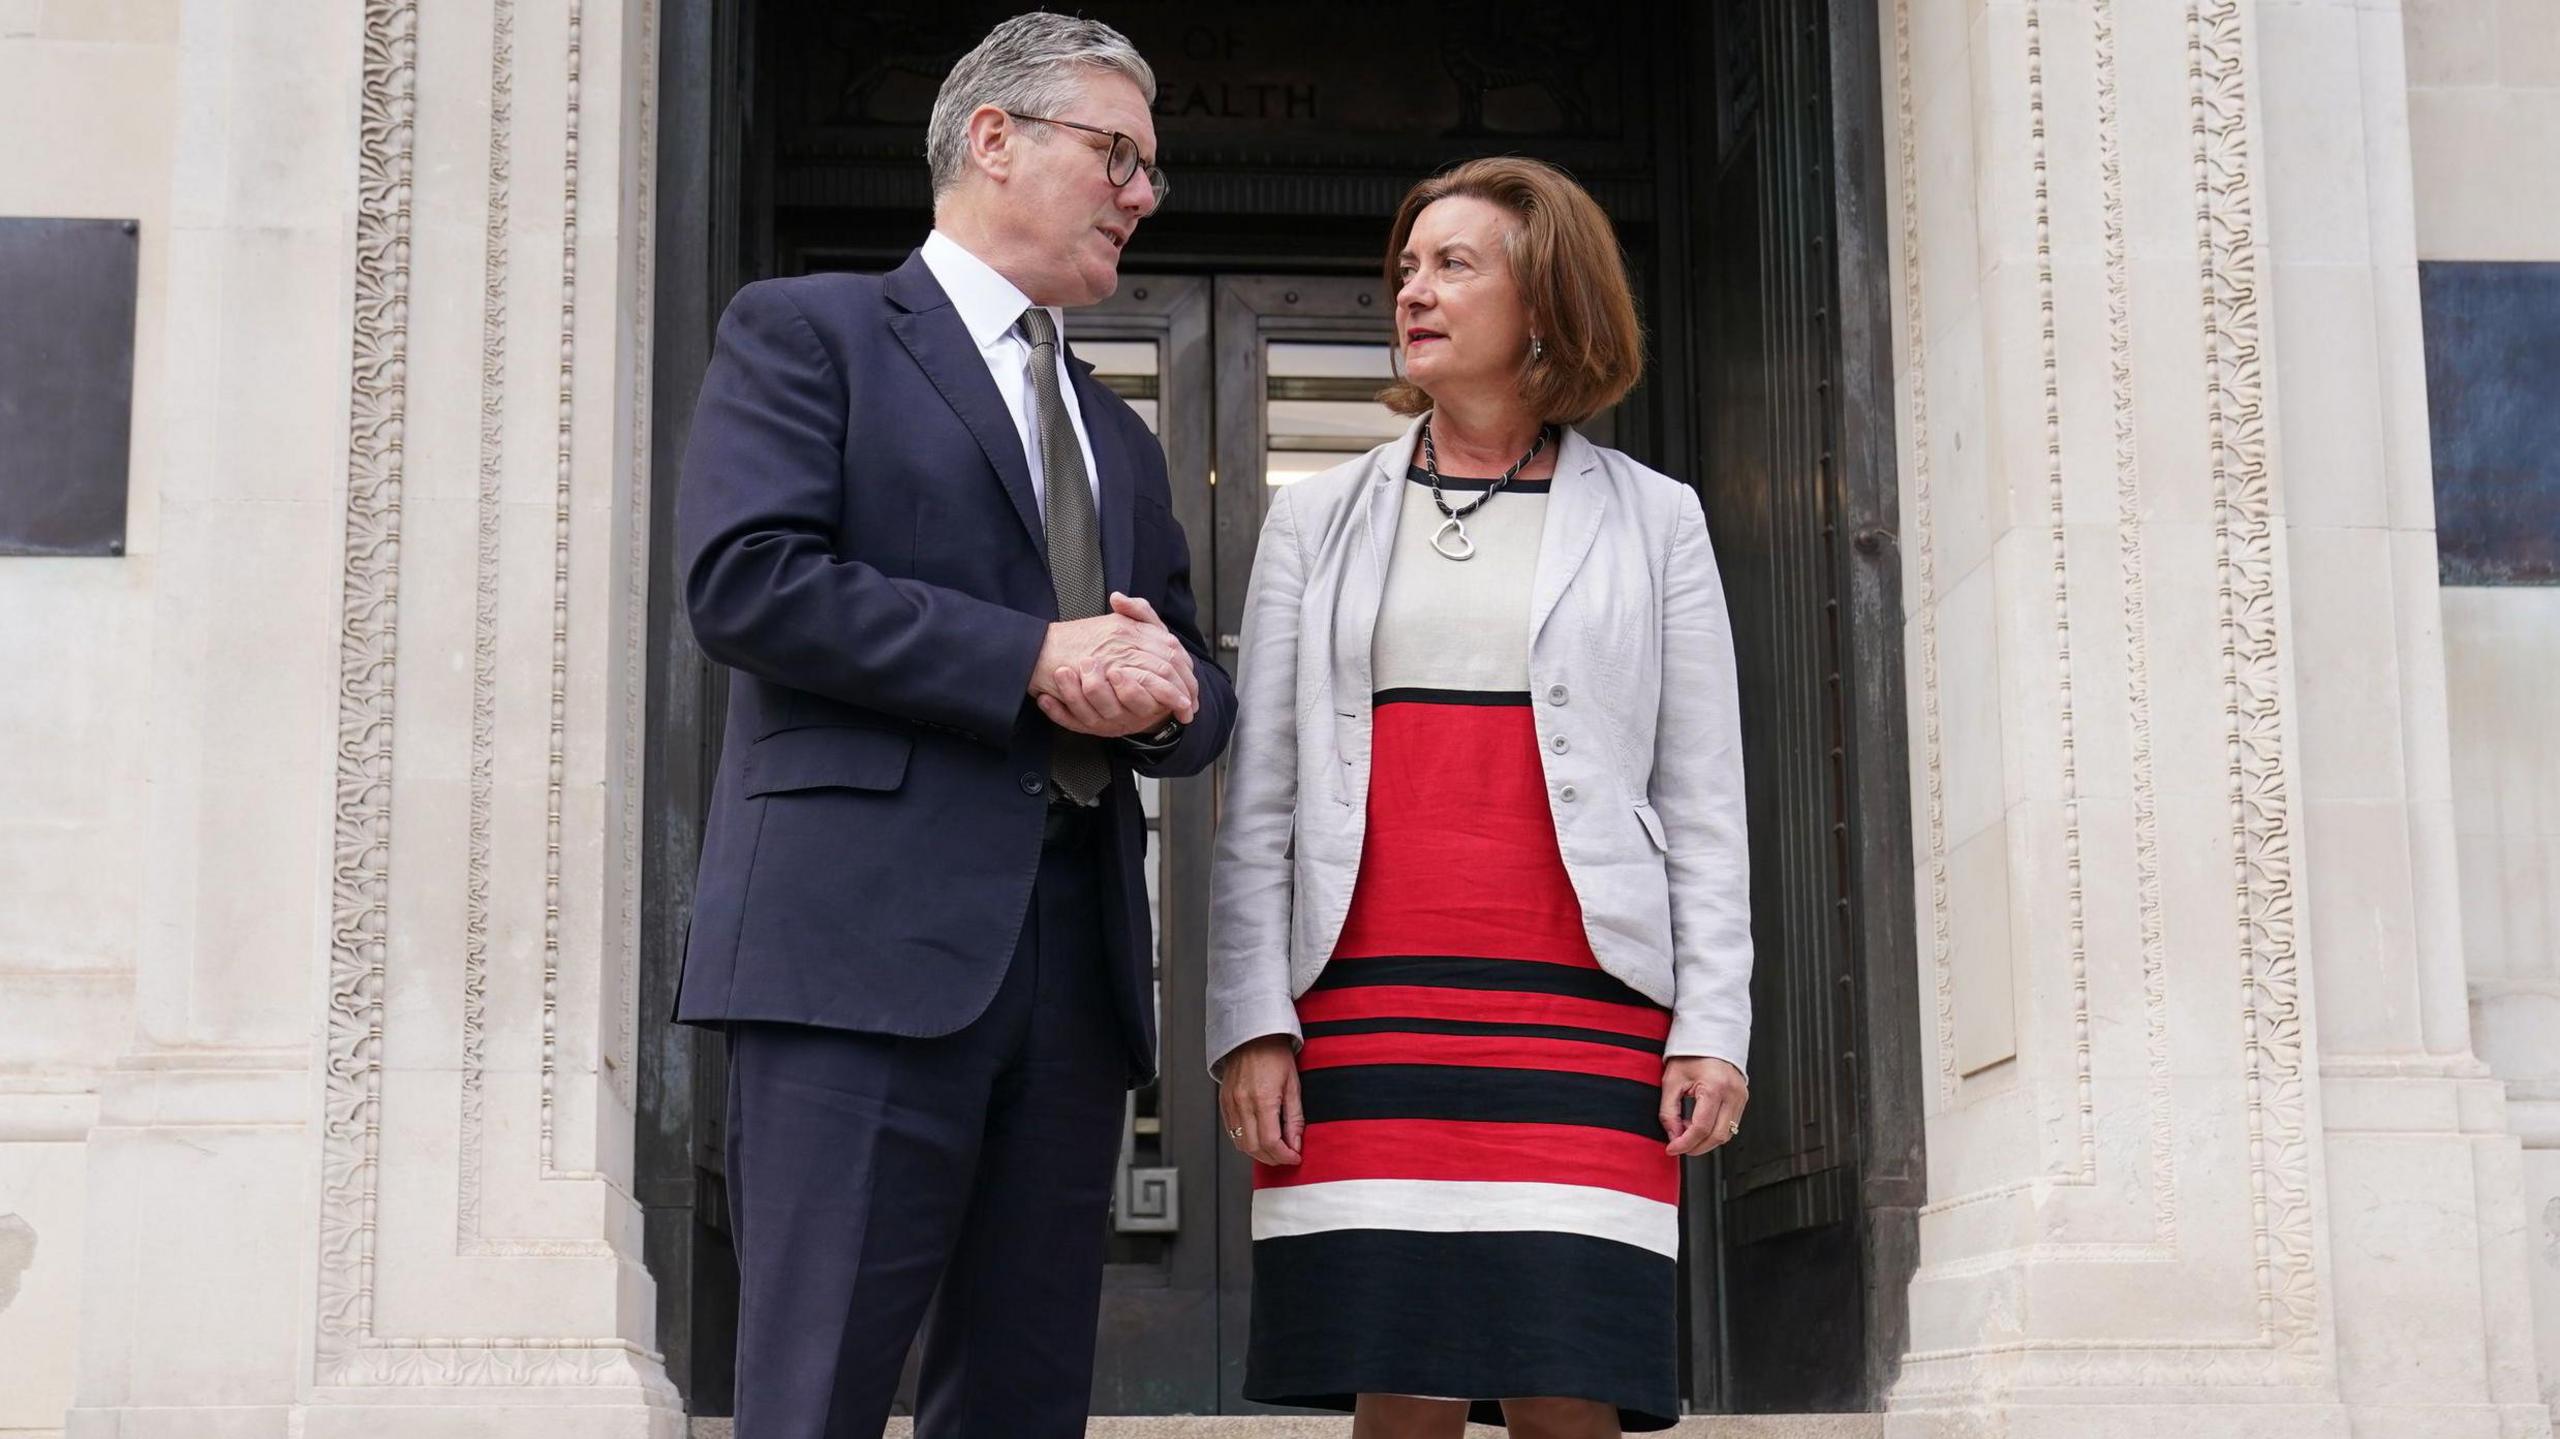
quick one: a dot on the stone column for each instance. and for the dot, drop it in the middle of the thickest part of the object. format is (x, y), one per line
(2503, 663)
(2164, 497)
(2423, 1177)
(2484, 102)
(365, 1168)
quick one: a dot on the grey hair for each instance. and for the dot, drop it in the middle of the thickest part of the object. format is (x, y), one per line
(1030, 65)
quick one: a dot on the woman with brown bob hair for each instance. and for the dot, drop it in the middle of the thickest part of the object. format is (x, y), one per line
(1480, 944)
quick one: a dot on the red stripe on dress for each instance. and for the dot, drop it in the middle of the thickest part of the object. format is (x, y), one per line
(1480, 1151)
(1460, 856)
(1481, 1006)
(1565, 1056)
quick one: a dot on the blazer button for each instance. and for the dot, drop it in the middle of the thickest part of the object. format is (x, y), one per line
(1568, 794)
(1034, 785)
(1558, 694)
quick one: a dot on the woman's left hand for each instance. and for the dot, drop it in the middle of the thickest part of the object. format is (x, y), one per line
(1717, 1092)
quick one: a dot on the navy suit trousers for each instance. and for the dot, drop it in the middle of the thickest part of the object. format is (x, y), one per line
(960, 1183)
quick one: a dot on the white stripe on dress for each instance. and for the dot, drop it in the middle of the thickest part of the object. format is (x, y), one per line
(1457, 1206)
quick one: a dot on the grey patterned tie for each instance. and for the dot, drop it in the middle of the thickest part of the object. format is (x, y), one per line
(1076, 762)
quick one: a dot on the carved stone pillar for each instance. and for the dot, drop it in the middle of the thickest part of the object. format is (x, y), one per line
(2163, 448)
(2423, 1177)
(367, 1169)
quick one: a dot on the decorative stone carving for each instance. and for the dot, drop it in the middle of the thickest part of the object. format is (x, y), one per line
(1924, 548)
(361, 874)
(484, 636)
(349, 1349)
(2260, 786)
(472, 1148)
(2084, 1169)
(2286, 1346)
(2133, 566)
(2081, 1171)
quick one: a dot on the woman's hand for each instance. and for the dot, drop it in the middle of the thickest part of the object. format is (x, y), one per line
(1718, 1093)
(1258, 1099)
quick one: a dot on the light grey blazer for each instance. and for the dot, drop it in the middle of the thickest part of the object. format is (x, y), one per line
(1630, 656)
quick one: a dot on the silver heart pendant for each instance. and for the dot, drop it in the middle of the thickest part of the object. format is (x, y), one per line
(1463, 549)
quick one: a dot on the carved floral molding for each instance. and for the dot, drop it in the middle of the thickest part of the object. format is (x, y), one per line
(350, 1350)
(2287, 1345)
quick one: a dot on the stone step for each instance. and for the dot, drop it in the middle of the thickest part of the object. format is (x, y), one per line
(1211, 1426)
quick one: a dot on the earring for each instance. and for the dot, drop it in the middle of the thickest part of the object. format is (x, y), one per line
(1537, 349)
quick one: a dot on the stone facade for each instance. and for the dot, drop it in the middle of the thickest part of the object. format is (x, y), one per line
(2209, 1144)
(318, 951)
(323, 1120)
(2484, 120)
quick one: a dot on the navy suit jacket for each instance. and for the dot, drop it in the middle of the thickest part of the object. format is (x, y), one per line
(860, 544)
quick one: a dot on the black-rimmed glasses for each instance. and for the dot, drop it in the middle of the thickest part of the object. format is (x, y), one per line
(1120, 162)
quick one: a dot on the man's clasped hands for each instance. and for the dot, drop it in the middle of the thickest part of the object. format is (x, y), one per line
(1121, 673)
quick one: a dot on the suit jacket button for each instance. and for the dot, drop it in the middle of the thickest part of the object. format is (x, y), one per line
(1034, 785)
(1558, 694)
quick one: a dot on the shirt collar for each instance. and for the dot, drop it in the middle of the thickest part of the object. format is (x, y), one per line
(989, 304)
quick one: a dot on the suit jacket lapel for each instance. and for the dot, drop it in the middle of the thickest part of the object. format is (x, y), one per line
(1574, 508)
(1381, 505)
(1116, 480)
(1384, 503)
(931, 330)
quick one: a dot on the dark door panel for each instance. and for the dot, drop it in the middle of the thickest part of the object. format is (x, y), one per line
(1798, 487)
(1157, 1349)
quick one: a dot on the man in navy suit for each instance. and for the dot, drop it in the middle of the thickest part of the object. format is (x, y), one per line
(943, 565)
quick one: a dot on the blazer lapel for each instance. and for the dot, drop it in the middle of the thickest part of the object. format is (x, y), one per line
(1116, 481)
(931, 330)
(1574, 509)
(1381, 508)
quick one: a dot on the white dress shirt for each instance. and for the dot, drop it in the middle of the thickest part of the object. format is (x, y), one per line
(991, 307)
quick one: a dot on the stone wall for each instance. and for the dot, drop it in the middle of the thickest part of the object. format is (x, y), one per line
(2208, 1144)
(317, 955)
(2484, 111)
(2484, 119)
(88, 97)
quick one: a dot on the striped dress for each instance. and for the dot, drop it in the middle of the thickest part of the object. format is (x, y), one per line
(1484, 1208)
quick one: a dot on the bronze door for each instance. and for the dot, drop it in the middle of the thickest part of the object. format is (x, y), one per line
(1299, 364)
(1157, 1349)
(1248, 382)
(1812, 1208)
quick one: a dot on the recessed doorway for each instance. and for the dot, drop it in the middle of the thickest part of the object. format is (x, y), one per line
(1736, 145)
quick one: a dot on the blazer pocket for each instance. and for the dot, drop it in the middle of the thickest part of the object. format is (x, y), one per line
(826, 757)
(1652, 828)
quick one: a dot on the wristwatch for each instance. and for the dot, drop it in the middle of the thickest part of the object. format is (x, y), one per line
(1162, 736)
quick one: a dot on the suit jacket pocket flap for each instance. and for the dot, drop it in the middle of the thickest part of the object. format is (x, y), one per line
(1652, 827)
(826, 757)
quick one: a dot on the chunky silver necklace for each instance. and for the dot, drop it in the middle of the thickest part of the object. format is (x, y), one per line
(1451, 538)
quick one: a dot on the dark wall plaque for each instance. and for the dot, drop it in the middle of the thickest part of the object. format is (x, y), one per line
(66, 384)
(2493, 409)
